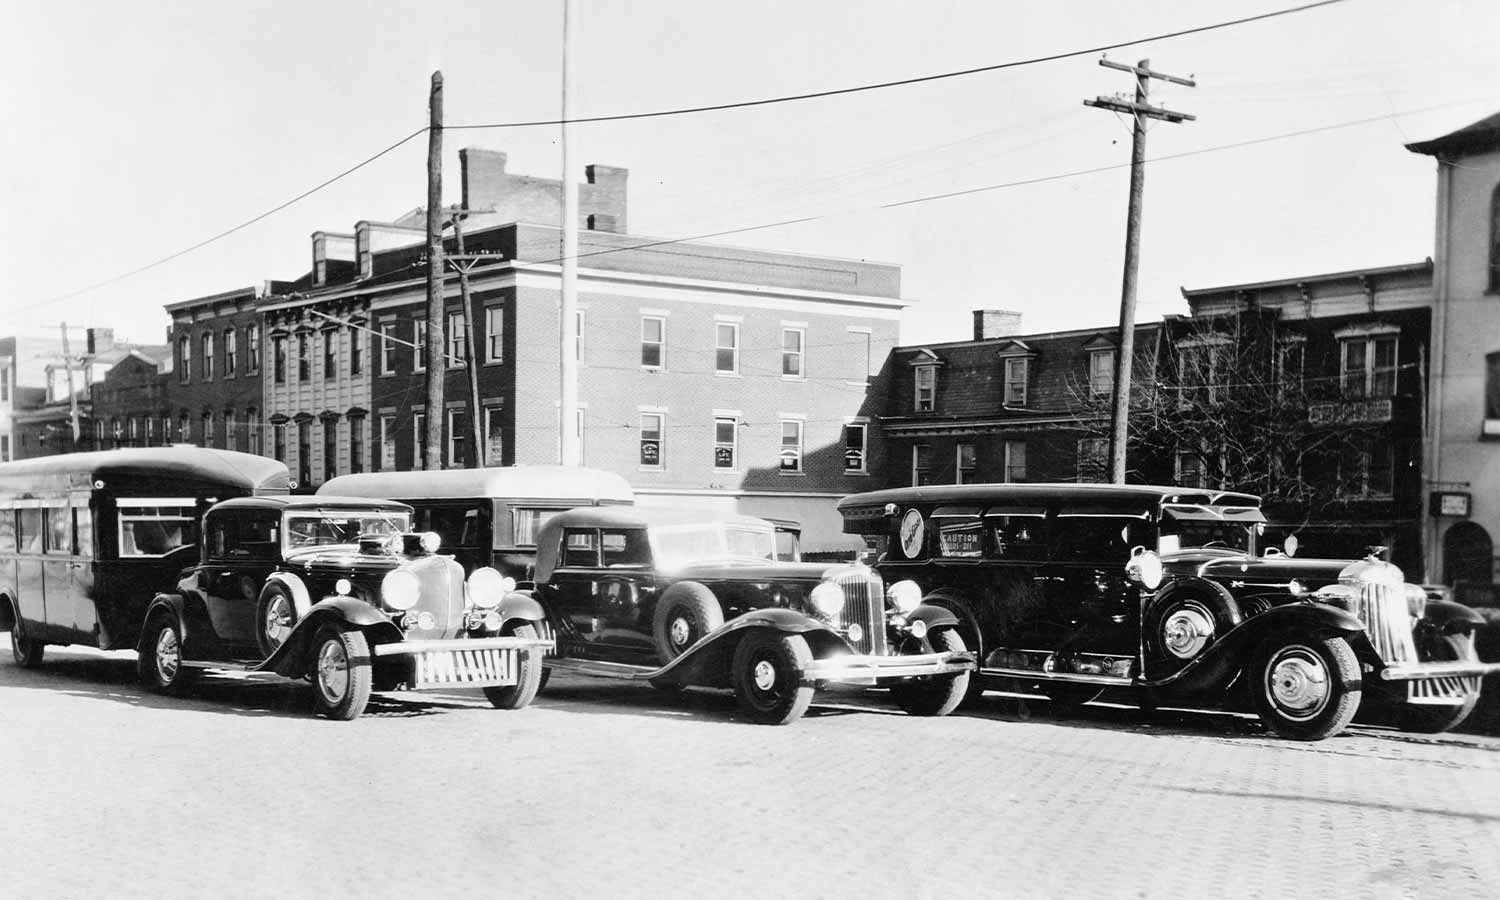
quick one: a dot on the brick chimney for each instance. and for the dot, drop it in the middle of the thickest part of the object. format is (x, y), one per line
(996, 323)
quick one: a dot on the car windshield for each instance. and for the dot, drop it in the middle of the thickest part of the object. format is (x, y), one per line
(680, 545)
(1204, 535)
(325, 527)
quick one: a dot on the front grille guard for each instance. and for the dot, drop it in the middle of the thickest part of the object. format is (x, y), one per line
(1383, 611)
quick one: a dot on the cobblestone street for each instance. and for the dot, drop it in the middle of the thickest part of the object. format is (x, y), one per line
(602, 789)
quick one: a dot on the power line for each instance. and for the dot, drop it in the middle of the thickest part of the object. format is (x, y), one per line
(920, 79)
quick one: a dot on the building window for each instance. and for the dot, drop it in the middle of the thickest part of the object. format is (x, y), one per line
(1491, 428)
(387, 348)
(652, 441)
(726, 348)
(208, 355)
(653, 342)
(793, 342)
(456, 340)
(356, 444)
(921, 464)
(356, 349)
(330, 354)
(252, 349)
(726, 434)
(494, 436)
(1201, 368)
(4, 448)
(184, 428)
(578, 337)
(278, 441)
(150, 431)
(494, 334)
(1191, 472)
(231, 350)
(1016, 368)
(861, 340)
(1101, 373)
(1369, 366)
(855, 434)
(206, 429)
(330, 448)
(278, 359)
(304, 453)
(304, 357)
(1290, 357)
(419, 339)
(458, 433)
(231, 440)
(255, 431)
(5, 385)
(791, 446)
(184, 359)
(1494, 280)
(419, 440)
(1015, 461)
(926, 388)
(963, 462)
(1366, 469)
(387, 460)
(1093, 460)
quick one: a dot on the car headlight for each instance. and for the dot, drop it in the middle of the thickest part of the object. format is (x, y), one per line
(399, 590)
(828, 598)
(904, 595)
(431, 541)
(486, 587)
(1144, 567)
(343, 587)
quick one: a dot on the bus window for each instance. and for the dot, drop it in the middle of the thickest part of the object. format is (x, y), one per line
(7, 530)
(157, 529)
(29, 530)
(58, 537)
(83, 531)
(527, 522)
(456, 525)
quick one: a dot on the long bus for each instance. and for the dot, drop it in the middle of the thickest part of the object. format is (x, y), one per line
(87, 539)
(489, 516)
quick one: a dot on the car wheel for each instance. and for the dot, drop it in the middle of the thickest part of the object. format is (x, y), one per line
(528, 676)
(686, 612)
(275, 616)
(27, 652)
(1430, 719)
(340, 673)
(1301, 688)
(935, 695)
(767, 673)
(159, 664)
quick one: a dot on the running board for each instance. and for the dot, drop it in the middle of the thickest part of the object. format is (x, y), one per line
(1069, 677)
(600, 669)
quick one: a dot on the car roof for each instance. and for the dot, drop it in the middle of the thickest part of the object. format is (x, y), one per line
(1123, 494)
(298, 502)
(532, 482)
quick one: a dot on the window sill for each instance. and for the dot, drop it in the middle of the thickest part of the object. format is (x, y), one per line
(793, 474)
(718, 374)
(861, 472)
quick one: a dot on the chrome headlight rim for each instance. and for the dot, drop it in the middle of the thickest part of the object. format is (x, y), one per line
(827, 598)
(400, 590)
(486, 587)
(904, 595)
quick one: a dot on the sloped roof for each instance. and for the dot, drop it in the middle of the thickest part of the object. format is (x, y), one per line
(1477, 137)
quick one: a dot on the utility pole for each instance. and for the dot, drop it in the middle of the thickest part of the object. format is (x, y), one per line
(1141, 110)
(72, 395)
(568, 444)
(437, 362)
(478, 454)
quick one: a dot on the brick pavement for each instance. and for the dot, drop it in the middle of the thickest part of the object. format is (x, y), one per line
(603, 789)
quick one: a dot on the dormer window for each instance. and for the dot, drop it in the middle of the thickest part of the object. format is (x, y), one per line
(1101, 373)
(1016, 370)
(926, 388)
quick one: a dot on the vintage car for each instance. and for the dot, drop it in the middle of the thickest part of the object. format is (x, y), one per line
(339, 590)
(682, 598)
(1071, 589)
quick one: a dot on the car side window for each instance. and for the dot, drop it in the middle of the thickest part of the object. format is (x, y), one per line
(1018, 535)
(580, 548)
(625, 547)
(1093, 538)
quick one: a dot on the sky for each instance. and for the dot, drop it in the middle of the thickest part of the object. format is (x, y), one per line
(137, 130)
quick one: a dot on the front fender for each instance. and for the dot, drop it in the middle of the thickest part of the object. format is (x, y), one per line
(163, 604)
(934, 616)
(291, 657)
(1452, 618)
(1224, 658)
(707, 662)
(520, 606)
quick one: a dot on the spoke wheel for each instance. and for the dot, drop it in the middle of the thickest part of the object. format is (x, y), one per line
(341, 677)
(767, 673)
(1302, 687)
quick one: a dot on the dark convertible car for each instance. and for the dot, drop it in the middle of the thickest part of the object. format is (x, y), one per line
(688, 598)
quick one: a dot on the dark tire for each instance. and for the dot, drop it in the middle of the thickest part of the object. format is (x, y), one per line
(935, 695)
(26, 651)
(341, 676)
(275, 616)
(159, 664)
(529, 672)
(1427, 719)
(684, 614)
(767, 674)
(1067, 697)
(1299, 686)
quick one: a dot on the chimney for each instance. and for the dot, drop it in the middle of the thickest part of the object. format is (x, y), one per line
(99, 340)
(603, 222)
(483, 175)
(607, 195)
(996, 323)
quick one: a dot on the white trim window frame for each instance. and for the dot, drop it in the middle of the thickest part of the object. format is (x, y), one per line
(726, 442)
(653, 440)
(1014, 459)
(494, 334)
(456, 338)
(726, 348)
(387, 348)
(654, 342)
(419, 345)
(793, 352)
(1101, 373)
(857, 450)
(1017, 374)
(925, 397)
(965, 462)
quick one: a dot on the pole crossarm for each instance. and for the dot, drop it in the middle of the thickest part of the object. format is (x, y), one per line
(1147, 71)
(1140, 109)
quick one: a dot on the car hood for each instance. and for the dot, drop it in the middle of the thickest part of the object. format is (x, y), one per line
(1314, 573)
(750, 570)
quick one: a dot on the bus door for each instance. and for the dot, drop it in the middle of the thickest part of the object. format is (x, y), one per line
(31, 594)
(66, 570)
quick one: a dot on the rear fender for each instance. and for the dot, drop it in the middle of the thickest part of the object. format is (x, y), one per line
(291, 658)
(1222, 660)
(172, 605)
(294, 586)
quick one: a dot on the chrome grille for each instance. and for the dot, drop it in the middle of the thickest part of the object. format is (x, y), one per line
(1382, 609)
(442, 595)
(864, 605)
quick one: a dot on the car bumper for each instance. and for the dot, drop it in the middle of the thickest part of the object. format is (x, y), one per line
(463, 662)
(1429, 670)
(851, 669)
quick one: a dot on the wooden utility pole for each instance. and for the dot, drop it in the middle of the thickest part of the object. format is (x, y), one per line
(437, 362)
(72, 395)
(567, 407)
(477, 454)
(1141, 111)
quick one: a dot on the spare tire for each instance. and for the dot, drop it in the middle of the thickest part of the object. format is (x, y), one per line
(684, 614)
